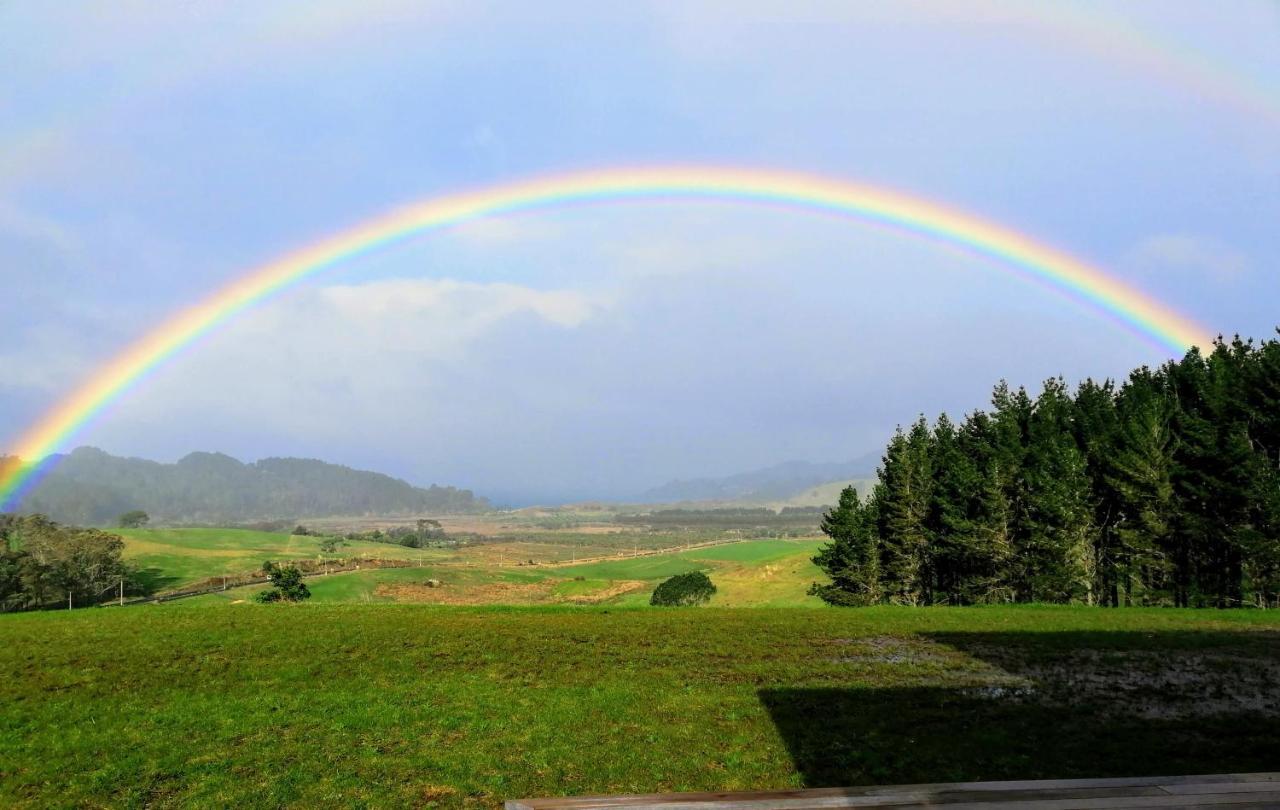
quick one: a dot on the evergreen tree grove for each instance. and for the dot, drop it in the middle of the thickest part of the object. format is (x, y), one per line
(1163, 490)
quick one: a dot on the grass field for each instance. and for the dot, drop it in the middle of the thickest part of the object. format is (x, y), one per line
(176, 557)
(756, 573)
(409, 705)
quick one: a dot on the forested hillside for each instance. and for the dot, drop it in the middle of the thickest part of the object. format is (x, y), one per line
(1162, 490)
(90, 487)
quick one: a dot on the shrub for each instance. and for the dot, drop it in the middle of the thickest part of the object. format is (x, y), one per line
(693, 588)
(286, 584)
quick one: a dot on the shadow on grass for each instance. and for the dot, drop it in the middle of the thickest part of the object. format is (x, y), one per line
(1053, 705)
(148, 581)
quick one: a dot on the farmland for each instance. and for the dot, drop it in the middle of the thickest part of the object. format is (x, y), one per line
(774, 573)
(564, 557)
(385, 704)
(177, 557)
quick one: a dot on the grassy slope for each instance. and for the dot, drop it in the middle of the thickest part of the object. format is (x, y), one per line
(409, 705)
(187, 555)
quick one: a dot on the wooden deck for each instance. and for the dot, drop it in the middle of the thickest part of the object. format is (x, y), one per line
(1237, 791)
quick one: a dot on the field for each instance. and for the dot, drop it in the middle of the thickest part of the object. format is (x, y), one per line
(172, 558)
(413, 705)
(757, 573)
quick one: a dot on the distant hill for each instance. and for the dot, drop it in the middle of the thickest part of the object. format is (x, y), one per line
(781, 482)
(91, 487)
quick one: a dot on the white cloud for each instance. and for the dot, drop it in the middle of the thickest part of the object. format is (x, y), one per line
(1186, 253)
(361, 352)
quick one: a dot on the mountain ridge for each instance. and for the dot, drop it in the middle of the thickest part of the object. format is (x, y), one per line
(89, 486)
(777, 482)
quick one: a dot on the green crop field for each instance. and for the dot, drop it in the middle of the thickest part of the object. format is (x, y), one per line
(176, 557)
(410, 705)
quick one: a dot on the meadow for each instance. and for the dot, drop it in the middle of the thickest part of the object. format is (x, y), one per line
(756, 573)
(413, 705)
(172, 558)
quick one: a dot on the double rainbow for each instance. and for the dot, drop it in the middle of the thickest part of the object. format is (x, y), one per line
(1004, 247)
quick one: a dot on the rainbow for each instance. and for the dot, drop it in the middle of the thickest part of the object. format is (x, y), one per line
(1002, 246)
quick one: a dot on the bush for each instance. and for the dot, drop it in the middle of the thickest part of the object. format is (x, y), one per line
(286, 584)
(684, 589)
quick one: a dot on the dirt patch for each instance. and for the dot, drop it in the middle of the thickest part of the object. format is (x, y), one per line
(891, 650)
(1147, 684)
(1164, 685)
(493, 593)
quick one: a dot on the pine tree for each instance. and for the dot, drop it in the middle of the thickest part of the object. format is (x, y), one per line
(1057, 544)
(852, 558)
(1139, 480)
(1010, 429)
(989, 548)
(902, 500)
(1214, 477)
(1095, 425)
(952, 507)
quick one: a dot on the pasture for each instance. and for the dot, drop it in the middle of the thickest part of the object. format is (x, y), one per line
(172, 558)
(756, 573)
(412, 705)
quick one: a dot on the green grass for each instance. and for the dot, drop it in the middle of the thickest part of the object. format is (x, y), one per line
(397, 705)
(177, 557)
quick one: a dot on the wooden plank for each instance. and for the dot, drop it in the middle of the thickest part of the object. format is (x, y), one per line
(1048, 794)
(1234, 801)
(1238, 787)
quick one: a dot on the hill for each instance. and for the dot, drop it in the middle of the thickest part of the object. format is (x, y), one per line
(91, 487)
(781, 482)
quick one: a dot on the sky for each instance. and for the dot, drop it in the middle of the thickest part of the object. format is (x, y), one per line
(152, 152)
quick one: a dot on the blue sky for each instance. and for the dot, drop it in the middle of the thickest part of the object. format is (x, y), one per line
(150, 152)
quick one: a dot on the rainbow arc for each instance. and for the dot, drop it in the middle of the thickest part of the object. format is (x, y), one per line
(1003, 247)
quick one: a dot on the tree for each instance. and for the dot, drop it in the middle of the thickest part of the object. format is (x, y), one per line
(1056, 546)
(1138, 481)
(852, 558)
(986, 568)
(902, 499)
(947, 519)
(286, 584)
(45, 562)
(135, 519)
(694, 588)
(1095, 424)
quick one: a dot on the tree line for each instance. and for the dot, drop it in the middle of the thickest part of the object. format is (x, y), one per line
(1162, 490)
(45, 564)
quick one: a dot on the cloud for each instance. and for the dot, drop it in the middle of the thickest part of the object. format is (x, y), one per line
(1184, 253)
(371, 353)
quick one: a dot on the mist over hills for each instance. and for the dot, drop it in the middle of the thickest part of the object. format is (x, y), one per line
(778, 482)
(91, 487)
